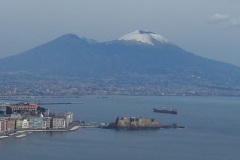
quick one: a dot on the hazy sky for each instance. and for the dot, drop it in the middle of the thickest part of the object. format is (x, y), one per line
(209, 28)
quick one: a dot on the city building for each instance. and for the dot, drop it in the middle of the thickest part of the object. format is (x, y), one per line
(26, 116)
(48, 122)
(69, 118)
(11, 124)
(24, 107)
(19, 124)
(58, 123)
(37, 123)
(25, 124)
(3, 125)
(13, 116)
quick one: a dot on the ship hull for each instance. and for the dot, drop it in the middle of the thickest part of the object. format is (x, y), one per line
(170, 111)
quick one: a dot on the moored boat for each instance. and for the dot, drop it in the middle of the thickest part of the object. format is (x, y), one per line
(1, 137)
(164, 110)
(21, 135)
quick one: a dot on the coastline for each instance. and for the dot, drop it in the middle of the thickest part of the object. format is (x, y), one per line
(23, 133)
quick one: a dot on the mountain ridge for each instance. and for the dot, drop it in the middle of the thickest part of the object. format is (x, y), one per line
(71, 56)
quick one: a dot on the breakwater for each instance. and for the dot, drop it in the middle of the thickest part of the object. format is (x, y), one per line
(57, 103)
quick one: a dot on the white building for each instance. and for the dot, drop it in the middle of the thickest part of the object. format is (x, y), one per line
(69, 118)
(58, 122)
(25, 124)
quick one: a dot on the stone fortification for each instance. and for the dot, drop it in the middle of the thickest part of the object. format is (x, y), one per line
(136, 123)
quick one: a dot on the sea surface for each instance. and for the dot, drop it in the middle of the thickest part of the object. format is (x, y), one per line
(212, 133)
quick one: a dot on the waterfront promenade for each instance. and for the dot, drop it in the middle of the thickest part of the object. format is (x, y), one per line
(24, 132)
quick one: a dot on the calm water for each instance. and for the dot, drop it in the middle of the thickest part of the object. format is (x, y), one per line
(213, 127)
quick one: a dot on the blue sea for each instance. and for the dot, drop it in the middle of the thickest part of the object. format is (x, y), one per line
(212, 133)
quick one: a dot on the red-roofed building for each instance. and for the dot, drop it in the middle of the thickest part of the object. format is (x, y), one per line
(24, 107)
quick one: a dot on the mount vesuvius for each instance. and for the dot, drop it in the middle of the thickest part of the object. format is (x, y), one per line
(140, 57)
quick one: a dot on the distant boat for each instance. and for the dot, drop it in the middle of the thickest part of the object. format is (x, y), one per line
(164, 110)
(1, 137)
(21, 135)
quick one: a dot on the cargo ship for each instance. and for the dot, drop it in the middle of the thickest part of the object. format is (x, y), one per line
(164, 110)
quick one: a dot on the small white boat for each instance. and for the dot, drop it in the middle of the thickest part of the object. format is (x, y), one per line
(1, 137)
(21, 135)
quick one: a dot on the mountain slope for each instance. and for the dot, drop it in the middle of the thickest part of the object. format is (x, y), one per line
(140, 52)
(63, 54)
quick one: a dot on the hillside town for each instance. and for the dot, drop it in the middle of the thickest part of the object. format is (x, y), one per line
(42, 85)
(30, 116)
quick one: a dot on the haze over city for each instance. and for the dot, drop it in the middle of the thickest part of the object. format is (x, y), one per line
(207, 28)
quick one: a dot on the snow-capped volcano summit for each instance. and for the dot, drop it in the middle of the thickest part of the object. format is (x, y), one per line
(144, 37)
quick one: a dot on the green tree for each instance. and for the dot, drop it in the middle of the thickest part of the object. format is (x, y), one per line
(41, 109)
(9, 110)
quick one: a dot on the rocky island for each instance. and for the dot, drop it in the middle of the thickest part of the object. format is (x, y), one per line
(138, 123)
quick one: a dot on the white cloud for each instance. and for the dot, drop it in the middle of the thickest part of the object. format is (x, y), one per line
(218, 18)
(224, 19)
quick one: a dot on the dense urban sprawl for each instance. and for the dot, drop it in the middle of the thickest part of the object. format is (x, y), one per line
(25, 116)
(38, 85)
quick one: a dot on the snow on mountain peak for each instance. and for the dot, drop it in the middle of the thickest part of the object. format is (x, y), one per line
(144, 37)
